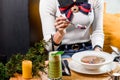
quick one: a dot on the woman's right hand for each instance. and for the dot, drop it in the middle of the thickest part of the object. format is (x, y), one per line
(61, 23)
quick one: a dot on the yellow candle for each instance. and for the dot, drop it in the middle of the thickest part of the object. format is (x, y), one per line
(27, 69)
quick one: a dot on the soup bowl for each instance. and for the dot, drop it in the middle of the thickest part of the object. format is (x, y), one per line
(92, 59)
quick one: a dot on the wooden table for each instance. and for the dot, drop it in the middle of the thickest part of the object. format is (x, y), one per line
(75, 76)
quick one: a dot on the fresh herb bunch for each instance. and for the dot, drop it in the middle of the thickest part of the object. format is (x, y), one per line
(37, 54)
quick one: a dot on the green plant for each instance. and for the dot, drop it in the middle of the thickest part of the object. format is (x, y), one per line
(14, 65)
(37, 54)
(3, 75)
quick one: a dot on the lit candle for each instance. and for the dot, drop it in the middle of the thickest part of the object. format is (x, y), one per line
(27, 69)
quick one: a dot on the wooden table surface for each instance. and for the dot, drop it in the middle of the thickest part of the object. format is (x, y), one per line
(75, 76)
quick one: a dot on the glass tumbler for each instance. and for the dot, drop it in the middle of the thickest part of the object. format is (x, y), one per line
(55, 67)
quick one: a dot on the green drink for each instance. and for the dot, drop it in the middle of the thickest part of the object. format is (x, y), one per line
(55, 67)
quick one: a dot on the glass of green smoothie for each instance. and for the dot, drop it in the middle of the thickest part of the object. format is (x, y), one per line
(55, 67)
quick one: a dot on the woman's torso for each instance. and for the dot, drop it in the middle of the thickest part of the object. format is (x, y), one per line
(73, 34)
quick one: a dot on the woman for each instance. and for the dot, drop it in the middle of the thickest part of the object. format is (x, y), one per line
(76, 25)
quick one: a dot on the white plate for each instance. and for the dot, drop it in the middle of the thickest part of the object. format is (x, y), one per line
(80, 69)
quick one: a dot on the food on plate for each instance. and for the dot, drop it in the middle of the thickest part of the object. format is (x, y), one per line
(92, 59)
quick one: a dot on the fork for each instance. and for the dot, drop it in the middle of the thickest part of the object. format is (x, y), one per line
(57, 16)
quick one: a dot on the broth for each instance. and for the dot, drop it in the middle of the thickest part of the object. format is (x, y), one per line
(92, 59)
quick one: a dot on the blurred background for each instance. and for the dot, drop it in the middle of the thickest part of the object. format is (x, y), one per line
(20, 26)
(113, 6)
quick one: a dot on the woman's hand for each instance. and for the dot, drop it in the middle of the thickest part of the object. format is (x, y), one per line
(61, 23)
(98, 49)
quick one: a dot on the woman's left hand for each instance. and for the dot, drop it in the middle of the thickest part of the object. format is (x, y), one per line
(98, 49)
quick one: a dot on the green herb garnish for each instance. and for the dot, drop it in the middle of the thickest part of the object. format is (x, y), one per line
(58, 53)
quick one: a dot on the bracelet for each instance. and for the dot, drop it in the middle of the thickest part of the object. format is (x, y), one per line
(53, 43)
(56, 44)
(98, 47)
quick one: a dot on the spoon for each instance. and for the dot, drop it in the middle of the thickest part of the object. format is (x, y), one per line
(115, 49)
